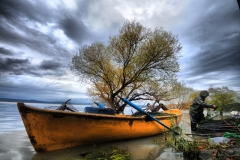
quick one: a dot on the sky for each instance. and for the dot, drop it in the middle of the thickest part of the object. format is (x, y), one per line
(38, 39)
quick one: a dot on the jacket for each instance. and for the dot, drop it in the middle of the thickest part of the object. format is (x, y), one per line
(198, 104)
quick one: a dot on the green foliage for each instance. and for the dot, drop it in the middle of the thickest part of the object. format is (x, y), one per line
(134, 62)
(188, 148)
(237, 98)
(222, 97)
(191, 97)
(109, 153)
(183, 93)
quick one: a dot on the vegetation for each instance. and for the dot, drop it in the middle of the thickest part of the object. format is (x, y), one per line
(108, 153)
(191, 97)
(223, 97)
(183, 94)
(193, 149)
(188, 148)
(237, 98)
(138, 64)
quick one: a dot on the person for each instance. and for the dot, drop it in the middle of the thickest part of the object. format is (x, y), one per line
(154, 108)
(197, 107)
(149, 107)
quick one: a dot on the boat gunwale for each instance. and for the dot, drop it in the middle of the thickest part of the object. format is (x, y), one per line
(115, 116)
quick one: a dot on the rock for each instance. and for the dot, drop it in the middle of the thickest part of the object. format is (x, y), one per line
(230, 151)
(220, 140)
(206, 155)
(145, 151)
(170, 154)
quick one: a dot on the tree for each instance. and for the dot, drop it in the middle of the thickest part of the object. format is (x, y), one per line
(237, 98)
(138, 64)
(183, 93)
(192, 96)
(222, 97)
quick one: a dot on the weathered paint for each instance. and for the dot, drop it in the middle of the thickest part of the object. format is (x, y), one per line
(51, 129)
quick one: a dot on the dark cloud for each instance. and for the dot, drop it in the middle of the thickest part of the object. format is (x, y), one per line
(216, 32)
(75, 29)
(32, 38)
(6, 8)
(238, 3)
(17, 21)
(25, 10)
(49, 65)
(5, 51)
(26, 67)
(16, 66)
(33, 30)
(8, 34)
(217, 20)
(50, 32)
(21, 20)
(223, 55)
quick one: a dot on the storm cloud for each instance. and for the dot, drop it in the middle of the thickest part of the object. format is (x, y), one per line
(38, 39)
(215, 34)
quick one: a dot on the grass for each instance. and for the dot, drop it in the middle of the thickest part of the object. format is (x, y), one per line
(107, 153)
(190, 149)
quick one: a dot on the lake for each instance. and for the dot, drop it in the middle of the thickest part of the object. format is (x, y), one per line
(15, 144)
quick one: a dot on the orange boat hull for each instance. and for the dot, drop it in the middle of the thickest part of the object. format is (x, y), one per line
(51, 129)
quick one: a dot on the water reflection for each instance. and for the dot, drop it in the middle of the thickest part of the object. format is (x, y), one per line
(15, 145)
(144, 148)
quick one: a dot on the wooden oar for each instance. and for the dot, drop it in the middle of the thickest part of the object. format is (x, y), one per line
(149, 115)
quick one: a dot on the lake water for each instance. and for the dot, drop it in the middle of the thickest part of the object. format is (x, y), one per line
(15, 144)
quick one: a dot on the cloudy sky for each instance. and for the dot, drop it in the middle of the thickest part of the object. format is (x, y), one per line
(38, 39)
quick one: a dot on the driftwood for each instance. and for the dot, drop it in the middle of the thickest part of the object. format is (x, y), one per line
(215, 135)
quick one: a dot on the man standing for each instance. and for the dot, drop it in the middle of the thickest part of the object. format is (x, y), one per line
(197, 107)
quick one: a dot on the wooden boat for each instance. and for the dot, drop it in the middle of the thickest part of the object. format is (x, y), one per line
(53, 129)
